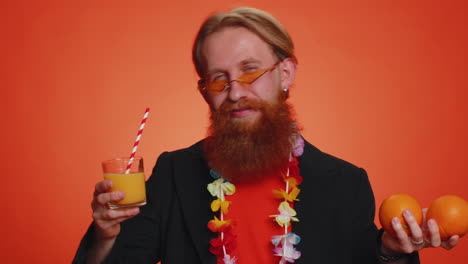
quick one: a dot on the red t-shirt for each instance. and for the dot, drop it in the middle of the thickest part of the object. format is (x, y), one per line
(251, 207)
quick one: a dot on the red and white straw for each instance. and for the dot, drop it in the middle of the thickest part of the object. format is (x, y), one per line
(137, 141)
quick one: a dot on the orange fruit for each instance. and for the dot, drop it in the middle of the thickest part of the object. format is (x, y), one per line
(451, 214)
(394, 206)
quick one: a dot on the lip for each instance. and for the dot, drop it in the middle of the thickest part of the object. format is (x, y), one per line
(242, 112)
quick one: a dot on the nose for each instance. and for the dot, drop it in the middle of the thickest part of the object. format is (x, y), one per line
(237, 91)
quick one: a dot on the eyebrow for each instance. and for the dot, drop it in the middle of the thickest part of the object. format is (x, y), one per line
(249, 60)
(242, 63)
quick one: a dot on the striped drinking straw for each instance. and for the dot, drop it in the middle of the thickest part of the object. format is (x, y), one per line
(137, 141)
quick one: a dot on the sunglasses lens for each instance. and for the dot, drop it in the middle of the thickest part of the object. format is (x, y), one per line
(216, 85)
(251, 76)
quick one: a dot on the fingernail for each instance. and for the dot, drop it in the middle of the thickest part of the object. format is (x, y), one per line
(396, 221)
(407, 213)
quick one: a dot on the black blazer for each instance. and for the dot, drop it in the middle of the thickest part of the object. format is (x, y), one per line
(336, 212)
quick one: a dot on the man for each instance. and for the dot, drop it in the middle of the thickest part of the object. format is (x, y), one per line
(213, 202)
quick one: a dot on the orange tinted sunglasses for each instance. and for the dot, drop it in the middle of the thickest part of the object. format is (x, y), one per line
(246, 79)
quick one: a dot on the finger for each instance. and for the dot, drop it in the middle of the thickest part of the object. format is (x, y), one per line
(109, 223)
(110, 214)
(416, 232)
(104, 198)
(403, 239)
(434, 235)
(102, 186)
(110, 228)
(451, 242)
(424, 228)
(424, 212)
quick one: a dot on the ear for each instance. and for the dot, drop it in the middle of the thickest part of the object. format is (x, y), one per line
(205, 96)
(288, 73)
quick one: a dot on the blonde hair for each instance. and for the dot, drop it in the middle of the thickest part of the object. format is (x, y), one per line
(257, 21)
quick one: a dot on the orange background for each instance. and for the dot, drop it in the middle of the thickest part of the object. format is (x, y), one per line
(382, 85)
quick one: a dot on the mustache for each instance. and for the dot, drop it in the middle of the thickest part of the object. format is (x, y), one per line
(228, 107)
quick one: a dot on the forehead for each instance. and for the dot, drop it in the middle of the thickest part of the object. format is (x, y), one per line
(233, 46)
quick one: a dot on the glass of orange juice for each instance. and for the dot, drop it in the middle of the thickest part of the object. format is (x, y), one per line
(132, 183)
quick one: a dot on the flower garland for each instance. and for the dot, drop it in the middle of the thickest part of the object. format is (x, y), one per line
(224, 245)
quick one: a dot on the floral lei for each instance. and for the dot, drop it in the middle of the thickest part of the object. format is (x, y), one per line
(224, 245)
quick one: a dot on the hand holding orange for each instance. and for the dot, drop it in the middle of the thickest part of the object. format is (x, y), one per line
(451, 215)
(394, 206)
(449, 211)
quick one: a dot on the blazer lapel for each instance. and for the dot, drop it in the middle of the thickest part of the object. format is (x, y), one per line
(314, 207)
(191, 180)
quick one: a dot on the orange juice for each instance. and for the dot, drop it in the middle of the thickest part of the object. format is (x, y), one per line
(133, 184)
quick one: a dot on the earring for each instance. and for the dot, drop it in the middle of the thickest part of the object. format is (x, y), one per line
(285, 89)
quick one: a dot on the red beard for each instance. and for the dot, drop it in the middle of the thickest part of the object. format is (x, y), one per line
(245, 150)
